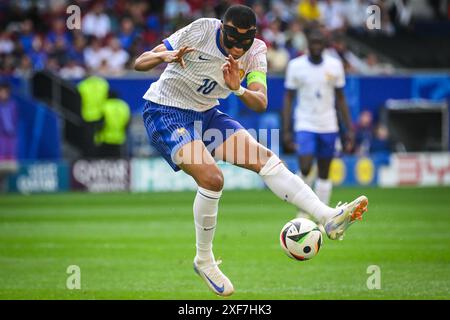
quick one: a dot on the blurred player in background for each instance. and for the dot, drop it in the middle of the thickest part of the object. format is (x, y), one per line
(317, 81)
(208, 60)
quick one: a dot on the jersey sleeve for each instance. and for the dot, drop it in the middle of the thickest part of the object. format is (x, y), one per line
(340, 76)
(290, 80)
(259, 60)
(188, 36)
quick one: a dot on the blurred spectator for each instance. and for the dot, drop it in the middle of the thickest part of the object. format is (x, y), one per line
(96, 23)
(76, 51)
(59, 33)
(364, 129)
(59, 51)
(72, 70)
(118, 57)
(261, 20)
(38, 54)
(280, 11)
(138, 11)
(352, 63)
(8, 124)
(7, 65)
(356, 15)
(176, 8)
(273, 34)
(95, 53)
(6, 44)
(387, 26)
(372, 66)
(403, 12)
(380, 141)
(332, 14)
(207, 11)
(52, 65)
(196, 7)
(308, 10)
(127, 32)
(277, 58)
(27, 35)
(297, 37)
(25, 68)
(38, 30)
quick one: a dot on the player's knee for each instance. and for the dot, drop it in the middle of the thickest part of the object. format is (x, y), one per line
(262, 161)
(212, 180)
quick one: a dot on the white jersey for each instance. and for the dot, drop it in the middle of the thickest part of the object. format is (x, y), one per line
(201, 84)
(315, 85)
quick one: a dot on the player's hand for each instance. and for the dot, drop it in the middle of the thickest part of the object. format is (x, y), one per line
(288, 143)
(349, 141)
(177, 56)
(231, 73)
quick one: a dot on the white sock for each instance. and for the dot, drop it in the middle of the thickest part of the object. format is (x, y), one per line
(291, 188)
(308, 180)
(323, 190)
(206, 205)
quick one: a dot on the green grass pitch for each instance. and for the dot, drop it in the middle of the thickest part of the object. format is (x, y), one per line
(141, 246)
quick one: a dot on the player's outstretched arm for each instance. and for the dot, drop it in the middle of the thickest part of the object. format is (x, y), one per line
(255, 96)
(150, 59)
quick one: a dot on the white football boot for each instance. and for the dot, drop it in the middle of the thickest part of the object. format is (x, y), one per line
(214, 278)
(349, 213)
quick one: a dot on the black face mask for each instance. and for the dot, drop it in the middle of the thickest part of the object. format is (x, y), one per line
(240, 40)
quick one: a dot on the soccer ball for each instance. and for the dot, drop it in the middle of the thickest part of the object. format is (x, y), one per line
(301, 239)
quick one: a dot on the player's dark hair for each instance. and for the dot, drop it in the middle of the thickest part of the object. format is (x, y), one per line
(240, 16)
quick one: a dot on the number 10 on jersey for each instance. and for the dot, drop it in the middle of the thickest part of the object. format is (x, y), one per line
(207, 86)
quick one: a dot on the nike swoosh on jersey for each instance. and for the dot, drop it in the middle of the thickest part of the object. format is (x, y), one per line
(204, 59)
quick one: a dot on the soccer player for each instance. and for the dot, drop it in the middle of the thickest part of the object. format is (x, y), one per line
(317, 81)
(208, 60)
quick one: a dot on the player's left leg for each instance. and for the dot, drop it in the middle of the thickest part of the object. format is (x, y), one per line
(325, 153)
(323, 185)
(287, 185)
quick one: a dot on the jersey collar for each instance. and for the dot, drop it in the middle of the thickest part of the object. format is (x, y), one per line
(218, 43)
(313, 63)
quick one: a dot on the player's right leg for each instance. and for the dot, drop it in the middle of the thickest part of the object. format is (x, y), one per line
(172, 132)
(287, 185)
(195, 160)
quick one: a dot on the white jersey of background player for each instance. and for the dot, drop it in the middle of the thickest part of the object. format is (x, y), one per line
(315, 85)
(187, 87)
(317, 80)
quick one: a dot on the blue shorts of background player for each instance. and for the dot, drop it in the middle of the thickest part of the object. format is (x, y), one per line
(320, 145)
(170, 128)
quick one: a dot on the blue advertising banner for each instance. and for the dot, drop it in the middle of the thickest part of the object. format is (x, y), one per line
(37, 177)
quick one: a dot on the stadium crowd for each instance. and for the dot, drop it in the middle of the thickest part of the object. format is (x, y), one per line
(34, 34)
